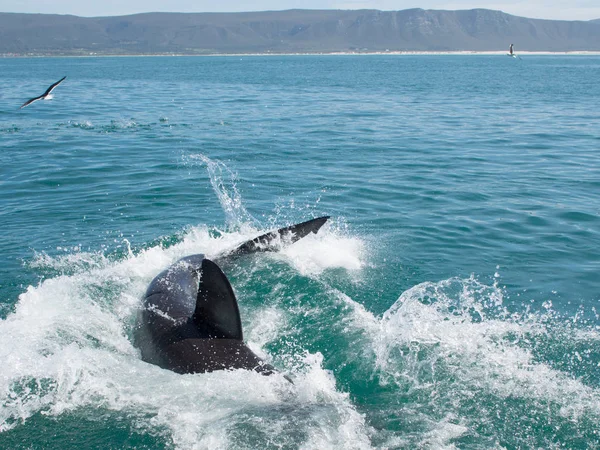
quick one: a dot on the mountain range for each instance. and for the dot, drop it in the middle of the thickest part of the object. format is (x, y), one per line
(291, 31)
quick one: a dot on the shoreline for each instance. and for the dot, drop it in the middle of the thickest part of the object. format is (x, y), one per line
(366, 53)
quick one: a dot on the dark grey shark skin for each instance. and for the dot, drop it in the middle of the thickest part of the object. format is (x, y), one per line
(190, 321)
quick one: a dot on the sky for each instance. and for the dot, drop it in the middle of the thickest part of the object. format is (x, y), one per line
(538, 9)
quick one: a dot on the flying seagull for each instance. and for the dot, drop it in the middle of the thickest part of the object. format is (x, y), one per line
(45, 95)
(512, 53)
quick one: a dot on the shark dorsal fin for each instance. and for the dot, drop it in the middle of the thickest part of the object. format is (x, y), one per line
(216, 305)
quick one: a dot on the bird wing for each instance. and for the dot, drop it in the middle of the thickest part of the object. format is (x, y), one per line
(31, 100)
(53, 86)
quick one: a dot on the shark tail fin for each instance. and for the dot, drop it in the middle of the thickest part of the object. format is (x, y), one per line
(270, 241)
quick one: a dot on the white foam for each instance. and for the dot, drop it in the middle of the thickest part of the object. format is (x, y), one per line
(73, 261)
(348, 428)
(265, 324)
(326, 250)
(459, 326)
(443, 432)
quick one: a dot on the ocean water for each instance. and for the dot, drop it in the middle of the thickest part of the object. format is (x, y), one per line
(452, 301)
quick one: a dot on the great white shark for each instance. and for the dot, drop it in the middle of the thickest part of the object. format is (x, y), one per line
(190, 320)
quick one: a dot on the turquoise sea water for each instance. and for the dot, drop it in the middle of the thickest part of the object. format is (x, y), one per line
(451, 302)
